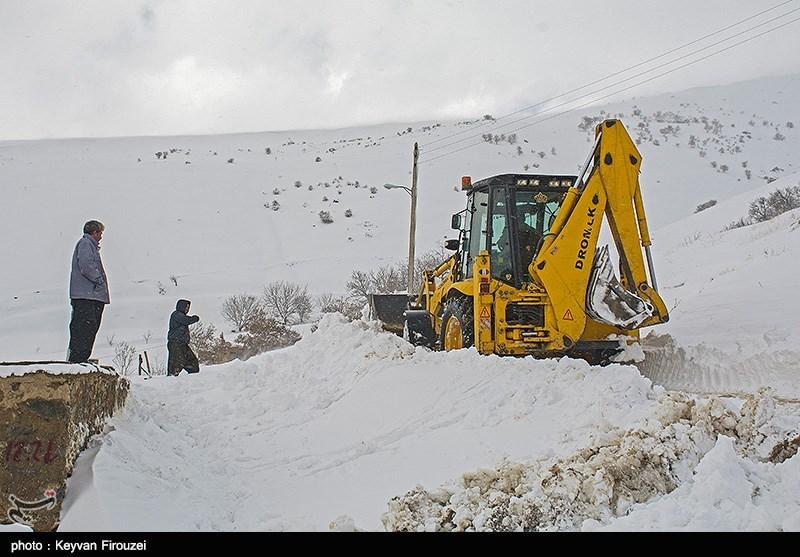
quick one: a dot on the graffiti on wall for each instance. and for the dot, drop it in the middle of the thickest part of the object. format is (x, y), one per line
(20, 510)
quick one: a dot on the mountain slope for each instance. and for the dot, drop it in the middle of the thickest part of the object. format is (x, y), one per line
(194, 217)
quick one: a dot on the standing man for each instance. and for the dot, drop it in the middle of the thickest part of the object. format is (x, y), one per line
(88, 293)
(180, 353)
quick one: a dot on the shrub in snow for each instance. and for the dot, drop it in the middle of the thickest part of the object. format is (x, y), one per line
(348, 306)
(706, 205)
(325, 217)
(776, 203)
(260, 334)
(392, 278)
(124, 354)
(264, 333)
(767, 207)
(209, 347)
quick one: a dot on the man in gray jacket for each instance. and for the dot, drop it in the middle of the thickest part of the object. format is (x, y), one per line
(88, 292)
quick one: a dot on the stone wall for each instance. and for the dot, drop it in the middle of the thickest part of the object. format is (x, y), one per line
(48, 412)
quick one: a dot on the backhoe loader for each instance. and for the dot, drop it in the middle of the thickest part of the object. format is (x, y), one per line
(527, 276)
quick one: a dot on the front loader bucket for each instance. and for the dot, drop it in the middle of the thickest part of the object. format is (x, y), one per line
(389, 309)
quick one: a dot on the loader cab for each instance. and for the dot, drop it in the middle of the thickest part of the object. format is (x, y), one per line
(508, 216)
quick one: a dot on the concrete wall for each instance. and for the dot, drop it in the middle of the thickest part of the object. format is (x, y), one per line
(48, 412)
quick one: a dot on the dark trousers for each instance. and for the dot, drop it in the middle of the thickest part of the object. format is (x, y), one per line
(83, 327)
(181, 357)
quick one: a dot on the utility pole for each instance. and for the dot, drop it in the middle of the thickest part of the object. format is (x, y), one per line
(413, 227)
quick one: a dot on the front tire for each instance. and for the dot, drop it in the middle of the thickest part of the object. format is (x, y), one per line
(458, 325)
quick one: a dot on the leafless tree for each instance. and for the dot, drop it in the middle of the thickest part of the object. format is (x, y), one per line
(286, 301)
(239, 309)
(360, 284)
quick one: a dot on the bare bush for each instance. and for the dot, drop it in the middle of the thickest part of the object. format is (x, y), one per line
(157, 365)
(360, 284)
(741, 223)
(384, 280)
(124, 355)
(287, 302)
(264, 333)
(765, 208)
(393, 278)
(209, 347)
(785, 199)
(239, 309)
(348, 306)
(429, 260)
(776, 203)
(706, 205)
(389, 278)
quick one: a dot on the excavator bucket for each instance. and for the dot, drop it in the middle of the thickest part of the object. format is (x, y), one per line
(389, 309)
(606, 299)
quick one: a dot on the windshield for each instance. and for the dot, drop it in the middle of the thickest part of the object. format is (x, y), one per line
(519, 220)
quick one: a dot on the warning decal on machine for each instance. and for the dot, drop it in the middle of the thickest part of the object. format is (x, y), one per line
(568, 316)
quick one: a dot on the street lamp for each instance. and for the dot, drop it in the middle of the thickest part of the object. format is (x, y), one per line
(413, 227)
(396, 186)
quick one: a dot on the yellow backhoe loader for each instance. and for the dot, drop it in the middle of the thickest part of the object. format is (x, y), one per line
(527, 276)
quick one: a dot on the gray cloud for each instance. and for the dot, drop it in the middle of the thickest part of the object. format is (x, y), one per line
(158, 67)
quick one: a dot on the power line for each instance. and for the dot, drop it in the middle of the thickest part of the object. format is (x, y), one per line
(642, 73)
(630, 78)
(595, 99)
(594, 92)
(636, 65)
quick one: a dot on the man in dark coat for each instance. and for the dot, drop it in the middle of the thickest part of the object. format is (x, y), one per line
(180, 353)
(88, 293)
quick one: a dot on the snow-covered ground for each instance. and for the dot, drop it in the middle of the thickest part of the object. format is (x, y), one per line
(352, 428)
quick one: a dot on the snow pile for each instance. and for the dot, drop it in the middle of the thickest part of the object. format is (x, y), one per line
(603, 481)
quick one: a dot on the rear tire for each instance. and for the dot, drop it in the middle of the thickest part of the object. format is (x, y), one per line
(458, 325)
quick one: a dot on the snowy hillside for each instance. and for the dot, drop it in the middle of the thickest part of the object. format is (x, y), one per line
(352, 428)
(209, 217)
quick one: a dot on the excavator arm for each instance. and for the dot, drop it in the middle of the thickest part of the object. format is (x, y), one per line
(567, 265)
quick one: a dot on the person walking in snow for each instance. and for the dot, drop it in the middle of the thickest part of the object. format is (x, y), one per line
(88, 293)
(180, 353)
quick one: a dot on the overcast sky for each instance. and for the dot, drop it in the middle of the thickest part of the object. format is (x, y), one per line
(96, 68)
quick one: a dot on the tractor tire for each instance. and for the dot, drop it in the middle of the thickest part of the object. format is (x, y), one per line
(458, 325)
